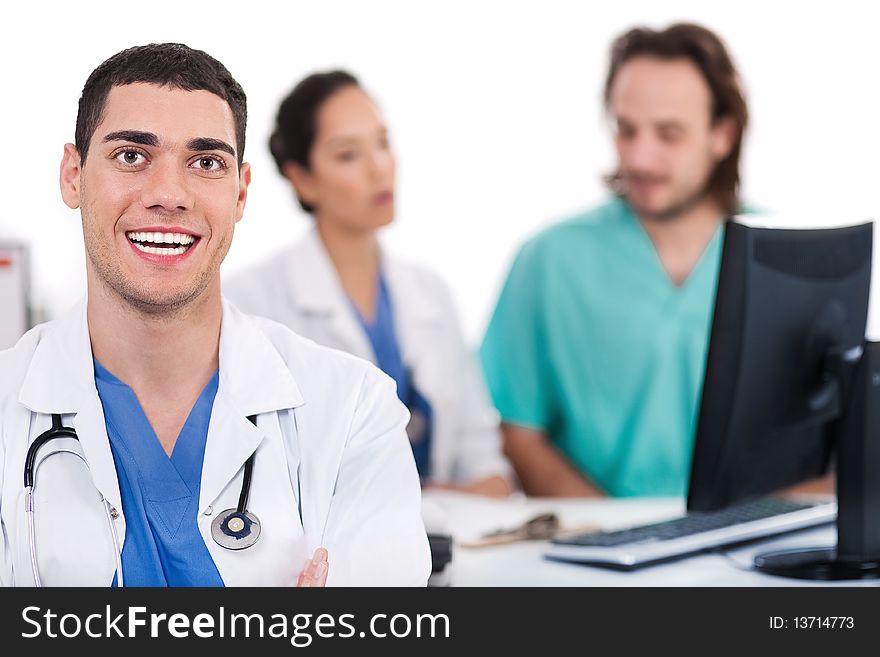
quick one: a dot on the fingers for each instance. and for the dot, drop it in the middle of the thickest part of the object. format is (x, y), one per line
(314, 572)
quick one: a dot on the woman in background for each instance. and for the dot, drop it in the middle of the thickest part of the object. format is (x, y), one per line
(338, 287)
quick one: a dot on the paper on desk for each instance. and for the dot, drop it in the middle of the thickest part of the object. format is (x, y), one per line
(541, 527)
(469, 517)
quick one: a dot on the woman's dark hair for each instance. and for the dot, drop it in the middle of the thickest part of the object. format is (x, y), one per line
(707, 52)
(172, 65)
(297, 119)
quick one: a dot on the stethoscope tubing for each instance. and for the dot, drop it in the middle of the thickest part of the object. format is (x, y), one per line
(57, 431)
(29, 502)
(31, 466)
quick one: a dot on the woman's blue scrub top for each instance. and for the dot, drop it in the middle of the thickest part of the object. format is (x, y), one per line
(383, 339)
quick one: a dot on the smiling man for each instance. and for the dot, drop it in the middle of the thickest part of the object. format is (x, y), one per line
(595, 352)
(166, 438)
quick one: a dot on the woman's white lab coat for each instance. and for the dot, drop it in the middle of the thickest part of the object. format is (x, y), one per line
(333, 467)
(300, 288)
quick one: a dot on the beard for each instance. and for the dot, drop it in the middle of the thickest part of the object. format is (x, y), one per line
(140, 294)
(675, 209)
(681, 203)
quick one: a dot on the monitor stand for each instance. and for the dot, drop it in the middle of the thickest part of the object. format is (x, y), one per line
(815, 564)
(857, 555)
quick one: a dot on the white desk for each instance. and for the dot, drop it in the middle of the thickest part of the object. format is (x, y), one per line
(522, 564)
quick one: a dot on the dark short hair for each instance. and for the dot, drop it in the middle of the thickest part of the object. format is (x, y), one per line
(172, 65)
(296, 123)
(707, 52)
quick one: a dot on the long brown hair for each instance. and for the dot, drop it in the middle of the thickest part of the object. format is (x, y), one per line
(709, 54)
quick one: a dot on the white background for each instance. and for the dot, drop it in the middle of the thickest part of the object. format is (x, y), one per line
(494, 110)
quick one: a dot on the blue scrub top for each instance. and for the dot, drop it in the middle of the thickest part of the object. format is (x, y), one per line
(383, 339)
(160, 495)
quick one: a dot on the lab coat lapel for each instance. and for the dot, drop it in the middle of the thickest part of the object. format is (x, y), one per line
(231, 441)
(417, 317)
(319, 296)
(424, 338)
(61, 379)
(254, 379)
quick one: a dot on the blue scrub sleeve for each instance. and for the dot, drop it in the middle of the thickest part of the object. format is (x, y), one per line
(514, 353)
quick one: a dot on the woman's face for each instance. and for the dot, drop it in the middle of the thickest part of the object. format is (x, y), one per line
(351, 179)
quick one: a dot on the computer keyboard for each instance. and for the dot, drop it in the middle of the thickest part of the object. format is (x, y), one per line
(695, 532)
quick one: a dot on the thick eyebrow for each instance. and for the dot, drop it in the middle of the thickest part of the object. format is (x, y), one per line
(149, 139)
(209, 144)
(134, 136)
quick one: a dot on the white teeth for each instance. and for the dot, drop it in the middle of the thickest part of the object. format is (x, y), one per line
(163, 251)
(161, 238)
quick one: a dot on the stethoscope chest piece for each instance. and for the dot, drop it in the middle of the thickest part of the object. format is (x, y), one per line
(235, 530)
(238, 528)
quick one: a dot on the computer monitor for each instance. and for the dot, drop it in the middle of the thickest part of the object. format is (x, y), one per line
(791, 386)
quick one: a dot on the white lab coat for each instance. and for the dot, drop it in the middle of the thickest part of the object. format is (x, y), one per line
(333, 467)
(299, 287)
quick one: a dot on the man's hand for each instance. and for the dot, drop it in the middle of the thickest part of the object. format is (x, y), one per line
(314, 572)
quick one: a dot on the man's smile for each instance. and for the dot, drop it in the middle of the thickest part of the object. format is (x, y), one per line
(164, 246)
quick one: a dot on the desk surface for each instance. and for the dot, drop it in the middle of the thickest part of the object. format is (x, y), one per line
(522, 564)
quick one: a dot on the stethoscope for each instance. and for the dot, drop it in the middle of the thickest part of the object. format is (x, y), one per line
(233, 529)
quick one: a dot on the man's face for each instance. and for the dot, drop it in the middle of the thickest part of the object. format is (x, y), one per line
(667, 143)
(160, 194)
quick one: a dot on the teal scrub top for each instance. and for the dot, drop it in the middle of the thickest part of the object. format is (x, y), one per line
(592, 343)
